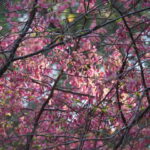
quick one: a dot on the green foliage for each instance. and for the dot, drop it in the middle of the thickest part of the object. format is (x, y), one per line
(3, 22)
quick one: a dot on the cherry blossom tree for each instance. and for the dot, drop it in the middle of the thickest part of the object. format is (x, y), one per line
(74, 74)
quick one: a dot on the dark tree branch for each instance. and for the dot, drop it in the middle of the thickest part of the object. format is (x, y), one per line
(137, 54)
(30, 137)
(119, 105)
(135, 121)
(53, 45)
(137, 116)
(62, 90)
(19, 39)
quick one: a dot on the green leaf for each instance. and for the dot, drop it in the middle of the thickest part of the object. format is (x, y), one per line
(104, 109)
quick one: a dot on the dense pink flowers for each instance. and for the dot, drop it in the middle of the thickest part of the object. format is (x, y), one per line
(81, 83)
